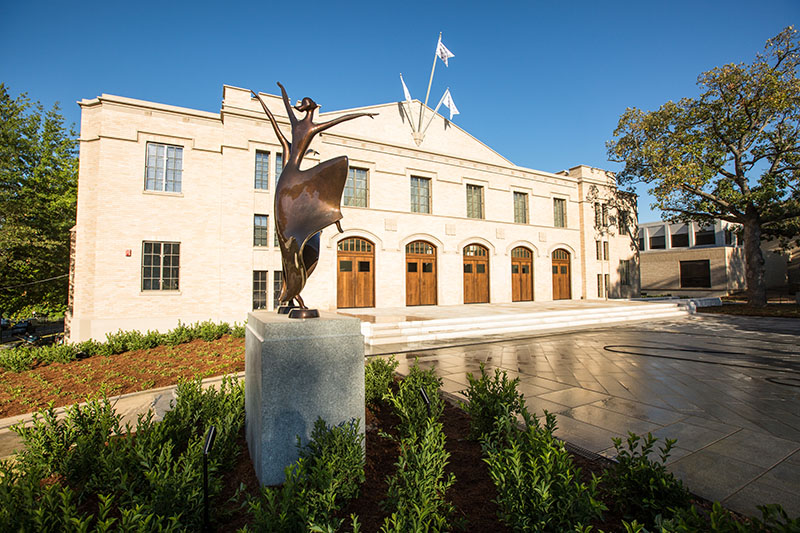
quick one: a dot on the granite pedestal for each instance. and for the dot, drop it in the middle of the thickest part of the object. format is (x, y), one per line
(298, 370)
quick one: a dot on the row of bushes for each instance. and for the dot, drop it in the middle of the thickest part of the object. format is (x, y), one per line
(23, 357)
(539, 488)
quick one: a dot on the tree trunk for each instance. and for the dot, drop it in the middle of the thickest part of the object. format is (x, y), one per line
(754, 263)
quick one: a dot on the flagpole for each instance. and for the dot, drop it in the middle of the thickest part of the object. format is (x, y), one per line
(407, 107)
(434, 112)
(430, 82)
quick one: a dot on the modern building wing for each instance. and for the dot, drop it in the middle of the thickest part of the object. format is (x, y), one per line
(175, 218)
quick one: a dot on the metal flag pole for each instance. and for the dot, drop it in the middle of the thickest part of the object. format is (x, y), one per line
(407, 108)
(430, 82)
(435, 111)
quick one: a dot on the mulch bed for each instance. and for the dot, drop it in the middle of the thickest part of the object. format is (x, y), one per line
(775, 310)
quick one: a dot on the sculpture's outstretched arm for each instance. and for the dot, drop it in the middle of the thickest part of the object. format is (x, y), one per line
(281, 137)
(325, 125)
(288, 105)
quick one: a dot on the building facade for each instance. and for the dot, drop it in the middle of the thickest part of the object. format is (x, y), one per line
(175, 218)
(689, 259)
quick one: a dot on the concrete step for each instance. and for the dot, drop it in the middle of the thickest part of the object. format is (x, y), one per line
(450, 328)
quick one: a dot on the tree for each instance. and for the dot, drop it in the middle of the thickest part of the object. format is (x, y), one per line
(730, 154)
(38, 195)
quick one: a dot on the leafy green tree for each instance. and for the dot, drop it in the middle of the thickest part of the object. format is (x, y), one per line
(38, 195)
(732, 153)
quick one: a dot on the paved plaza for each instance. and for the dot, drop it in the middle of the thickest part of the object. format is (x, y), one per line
(728, 388)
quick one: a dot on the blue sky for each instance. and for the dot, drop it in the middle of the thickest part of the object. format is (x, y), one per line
(542, 83)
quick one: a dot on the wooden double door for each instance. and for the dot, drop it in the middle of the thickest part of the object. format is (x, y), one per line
(355, 276)
(521, 275)
(420, 273)
(476, 274)
(561, 275)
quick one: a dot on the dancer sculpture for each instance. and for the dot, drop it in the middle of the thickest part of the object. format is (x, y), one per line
(306, 201)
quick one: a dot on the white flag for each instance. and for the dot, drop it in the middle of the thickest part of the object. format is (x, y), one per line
(443, 52)
(405, 90)
(447, 100)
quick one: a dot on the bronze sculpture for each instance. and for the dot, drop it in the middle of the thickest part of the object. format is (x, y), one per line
(306, 201)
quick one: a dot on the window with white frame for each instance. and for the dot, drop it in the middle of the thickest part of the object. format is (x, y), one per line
(163, 168)
(356, 188)
(278, 166)
(260, 230)
(160, 265)
(277, 281)
(262, 170)
(420, 195)
(559, 212)
(474, 201)
(260, 289)
(520, 208)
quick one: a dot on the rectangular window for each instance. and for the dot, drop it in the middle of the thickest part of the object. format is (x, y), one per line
(559, 212)
(474, 201)
(599, 285)
(599, 249)
(262, 170)
(605, 216)
(160, 265)
(278, 166)
(679, 240)
(641, 244)
(259, 289)
(277, 281)
(704, 237)
(356, 188)
(658, 242)
(420, 195)
(625, 272)
(605, 250)
(608, 284)
(520, 208)
(623, 220)
(597, 215)
(696, 274)
(164, 168)
(260, 230)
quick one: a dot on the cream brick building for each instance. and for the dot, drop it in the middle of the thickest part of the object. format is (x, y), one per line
(175, 218)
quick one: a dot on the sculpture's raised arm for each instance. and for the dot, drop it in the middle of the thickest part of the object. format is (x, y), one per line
(325, 125)
(288, 104)
(281, 137)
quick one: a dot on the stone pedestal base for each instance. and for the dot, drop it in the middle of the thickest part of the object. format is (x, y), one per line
(298, 370)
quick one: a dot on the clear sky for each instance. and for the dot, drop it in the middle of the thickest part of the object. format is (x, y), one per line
(542, 83)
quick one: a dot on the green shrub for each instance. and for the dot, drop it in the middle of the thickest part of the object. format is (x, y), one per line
(416, 493)
(408, 403)
(378, 379)
(538, 486)
(328, 473)
(17, 359)
(688, 520)
(489, 399)
(152, 473)
(641, 488)
(238, 330)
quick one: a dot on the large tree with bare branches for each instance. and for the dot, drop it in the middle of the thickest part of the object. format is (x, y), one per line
(732, 153)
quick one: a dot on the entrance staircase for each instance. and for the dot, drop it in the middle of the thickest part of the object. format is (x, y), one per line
(534, 321)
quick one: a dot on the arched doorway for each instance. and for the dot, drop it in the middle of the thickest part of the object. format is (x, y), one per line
(561, 275)
(355, 278)
(521, 275)
(420, 273)
(476, 274)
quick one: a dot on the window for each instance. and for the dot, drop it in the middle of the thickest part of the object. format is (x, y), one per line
(680, 239)
(658, 242)
(259, 289)
(160, 265)
(623, 220)
(605, 250)
(277, 281)
(474, 201)
(599, 285)
(163, 168)
(278, 166)
(356, 188)
(420, 195)
(641, 243)
(704, 236)
(262, 171)
(624, 272)
(559, 212)
(599, 249)
(600, 215)
(696, 274)
(520, 208)
(260, 230)
(608, 284)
